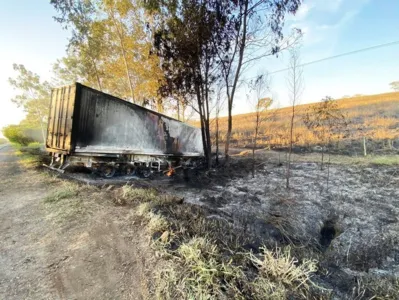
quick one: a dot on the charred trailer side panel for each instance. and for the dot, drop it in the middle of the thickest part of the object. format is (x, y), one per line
(85, 123)
(107, 124)
(84, 120)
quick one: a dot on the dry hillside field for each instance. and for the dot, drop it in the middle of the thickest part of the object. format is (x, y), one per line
(375, 117)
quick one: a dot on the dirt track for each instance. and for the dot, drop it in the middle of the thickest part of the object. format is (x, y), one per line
(101, 255)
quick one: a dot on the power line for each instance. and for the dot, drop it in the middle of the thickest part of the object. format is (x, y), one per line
(338, 55)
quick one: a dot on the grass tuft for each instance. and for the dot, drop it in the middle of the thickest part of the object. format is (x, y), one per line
(157, 223)
(281, 267)
(67, 190)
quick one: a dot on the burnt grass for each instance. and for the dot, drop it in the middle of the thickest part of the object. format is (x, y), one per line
(350, 226)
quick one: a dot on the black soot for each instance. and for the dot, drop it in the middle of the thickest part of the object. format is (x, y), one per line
(327, 234)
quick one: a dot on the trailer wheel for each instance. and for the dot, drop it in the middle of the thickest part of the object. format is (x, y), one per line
(108, 171)
(129, 170)
(146, 173)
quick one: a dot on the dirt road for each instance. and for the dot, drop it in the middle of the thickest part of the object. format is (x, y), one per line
(97, 254)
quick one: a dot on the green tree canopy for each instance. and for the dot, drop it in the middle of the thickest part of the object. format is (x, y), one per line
(33, 95)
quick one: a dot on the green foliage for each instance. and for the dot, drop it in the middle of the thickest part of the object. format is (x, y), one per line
(16, 134)
(33, 95)
(110, 49)
(34, 145)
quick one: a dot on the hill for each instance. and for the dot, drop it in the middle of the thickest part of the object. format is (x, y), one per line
(373, 117)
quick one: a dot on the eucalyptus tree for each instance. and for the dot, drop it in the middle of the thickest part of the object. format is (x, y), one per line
(257, 33)
(111, 42)
(188, 37)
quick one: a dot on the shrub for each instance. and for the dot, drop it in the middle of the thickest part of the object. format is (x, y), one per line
(15, 134)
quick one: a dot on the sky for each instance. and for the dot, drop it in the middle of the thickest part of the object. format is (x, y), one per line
(30, 36)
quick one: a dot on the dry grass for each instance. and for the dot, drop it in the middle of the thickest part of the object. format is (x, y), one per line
(69, 201)
(375, 116)
(31, 156)
(156, 223)
(198, 272)
(382, 289)
(139, 194)
(65, 191)
(207, 262)
(279, 270)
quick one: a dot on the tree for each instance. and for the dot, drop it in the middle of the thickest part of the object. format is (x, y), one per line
(208, 40)
(254, 32)
(85, 43)
(188, 38)
(295, 88)
(110, 49)
(395, 86)
(325, 119)
(33, 95)
(262, 105)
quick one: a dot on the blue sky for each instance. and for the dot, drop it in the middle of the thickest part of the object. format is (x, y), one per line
(334, 27)
(30, 36)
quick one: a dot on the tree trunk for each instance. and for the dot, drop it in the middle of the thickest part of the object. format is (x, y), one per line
(41, 125)
(120, 37)
(254, 144)
(228, 134)
(217, 138)
(178, 109)
(328, 169)
(230, 98)
(364, 146)
(96, 71)
(290, 150)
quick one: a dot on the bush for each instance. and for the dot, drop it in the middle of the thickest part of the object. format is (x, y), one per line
(15, 134)
(34, 145)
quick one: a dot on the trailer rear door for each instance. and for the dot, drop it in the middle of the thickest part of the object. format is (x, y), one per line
(59, 130)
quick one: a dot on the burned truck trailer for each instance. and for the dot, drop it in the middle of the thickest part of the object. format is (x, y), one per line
(107, 134)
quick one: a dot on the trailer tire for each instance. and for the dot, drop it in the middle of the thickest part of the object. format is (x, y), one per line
(108, 171)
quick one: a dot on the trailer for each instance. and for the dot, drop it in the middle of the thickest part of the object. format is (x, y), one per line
(106, 134)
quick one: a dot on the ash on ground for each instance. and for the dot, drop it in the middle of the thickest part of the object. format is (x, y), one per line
(348, 215)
